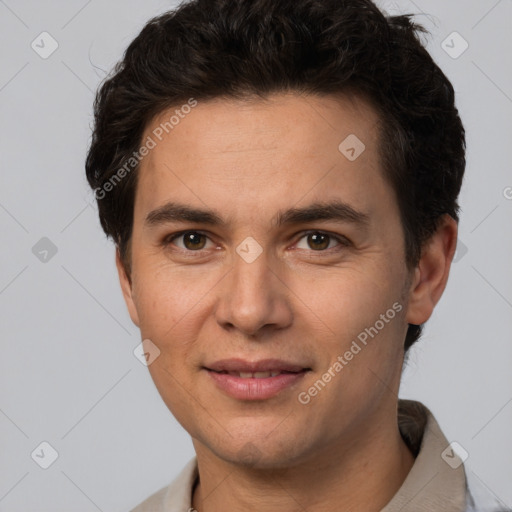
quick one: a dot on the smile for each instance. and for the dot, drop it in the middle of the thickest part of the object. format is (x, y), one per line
(255, 385)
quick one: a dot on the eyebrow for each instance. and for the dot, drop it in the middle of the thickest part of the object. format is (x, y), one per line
(331, 211)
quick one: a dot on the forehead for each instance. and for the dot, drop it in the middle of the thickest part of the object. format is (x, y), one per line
(250, 153)
(300, 120)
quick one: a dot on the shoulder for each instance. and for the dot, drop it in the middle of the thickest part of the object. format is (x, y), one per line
(177, 496)
(479, 498)
(155, 502)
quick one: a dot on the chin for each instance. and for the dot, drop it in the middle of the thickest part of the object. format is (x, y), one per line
(261, 453)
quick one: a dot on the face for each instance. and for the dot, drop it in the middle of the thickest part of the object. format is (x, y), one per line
(256, 237)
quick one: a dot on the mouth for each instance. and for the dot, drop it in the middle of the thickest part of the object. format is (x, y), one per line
(259, 380)
(263, 366)
(257, 375)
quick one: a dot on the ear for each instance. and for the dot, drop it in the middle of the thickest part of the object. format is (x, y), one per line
(431, 274)
(127, 289)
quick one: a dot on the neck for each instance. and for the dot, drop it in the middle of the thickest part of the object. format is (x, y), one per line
(363, 477)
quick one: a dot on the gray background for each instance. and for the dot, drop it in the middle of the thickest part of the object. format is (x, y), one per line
(68, 373)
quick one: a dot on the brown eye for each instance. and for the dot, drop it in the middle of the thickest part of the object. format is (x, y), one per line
(318, 241)
(194, 240)
(188, 240)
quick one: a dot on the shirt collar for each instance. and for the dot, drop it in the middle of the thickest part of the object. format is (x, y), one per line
(437, 479)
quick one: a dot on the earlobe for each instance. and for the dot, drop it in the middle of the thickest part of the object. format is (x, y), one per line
(431, 274)
(127, 289)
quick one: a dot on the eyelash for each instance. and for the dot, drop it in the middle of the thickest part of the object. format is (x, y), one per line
(342, 241)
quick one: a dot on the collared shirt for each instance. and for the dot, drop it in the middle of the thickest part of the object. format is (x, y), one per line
(437, 480)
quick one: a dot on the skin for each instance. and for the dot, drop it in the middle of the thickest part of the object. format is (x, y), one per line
(300, 301)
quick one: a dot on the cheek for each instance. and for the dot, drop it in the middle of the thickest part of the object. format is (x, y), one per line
(347, 300)
(363, 311)
(166, 297)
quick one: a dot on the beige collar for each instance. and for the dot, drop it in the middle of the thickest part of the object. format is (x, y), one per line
(437, 479)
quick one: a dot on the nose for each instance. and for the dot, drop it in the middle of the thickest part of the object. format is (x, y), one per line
(254, 298)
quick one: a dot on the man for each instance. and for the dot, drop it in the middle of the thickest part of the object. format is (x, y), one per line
(281, 181)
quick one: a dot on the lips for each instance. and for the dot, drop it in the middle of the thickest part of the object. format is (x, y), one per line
(239, 367)
(255, 375)
(258, 380)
